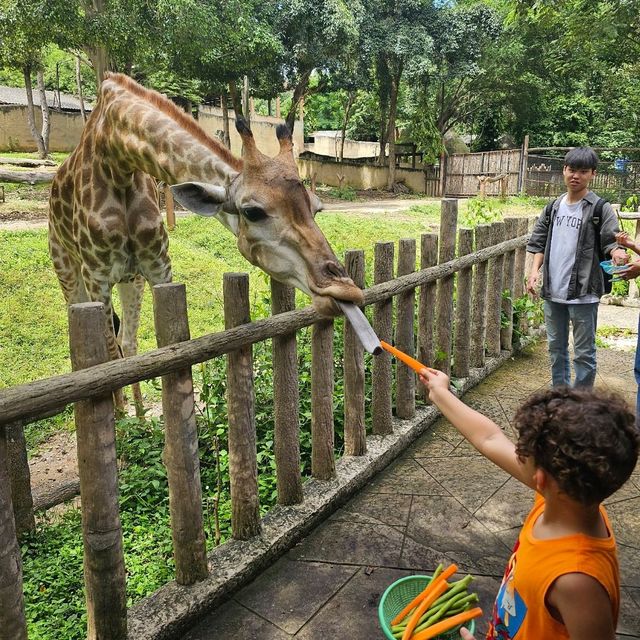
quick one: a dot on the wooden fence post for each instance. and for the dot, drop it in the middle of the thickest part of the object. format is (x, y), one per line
(20, 478)
(286, 402)
(506, 332)
(462, 341)
(355, 442)
(521, 256)
(494, 294)
(382, 321)
(479, 304)
(323, 464)
(181, 440)
(13, 625)
(104, 571)
(427, 303)
(444, 306)
(243, 462)
(405, 377)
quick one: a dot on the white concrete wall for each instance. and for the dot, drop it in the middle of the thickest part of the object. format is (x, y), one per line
(66, 129)
(262, 127)
(330, 146)
(360, 176)
(16, 136)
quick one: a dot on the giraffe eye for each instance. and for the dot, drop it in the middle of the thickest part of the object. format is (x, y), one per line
(254, 214)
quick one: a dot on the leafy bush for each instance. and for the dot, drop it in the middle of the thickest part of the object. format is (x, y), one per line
(480, 211)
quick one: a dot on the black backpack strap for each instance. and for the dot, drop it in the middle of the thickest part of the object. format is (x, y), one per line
(597, 221)
(597, 214)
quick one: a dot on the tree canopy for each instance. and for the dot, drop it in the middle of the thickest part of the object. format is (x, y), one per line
(565, 73)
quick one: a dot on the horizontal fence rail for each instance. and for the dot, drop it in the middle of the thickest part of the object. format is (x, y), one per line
(447, 333)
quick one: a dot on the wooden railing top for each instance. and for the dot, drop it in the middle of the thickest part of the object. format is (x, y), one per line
(35, 399)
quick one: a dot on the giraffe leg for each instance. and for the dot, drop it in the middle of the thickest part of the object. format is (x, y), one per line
(131, 298)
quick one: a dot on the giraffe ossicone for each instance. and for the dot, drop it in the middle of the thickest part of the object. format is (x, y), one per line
(106, 229)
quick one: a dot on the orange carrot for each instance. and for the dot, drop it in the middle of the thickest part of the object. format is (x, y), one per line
(447, 573)
(446, 624)
(416, 365)
(439, 587)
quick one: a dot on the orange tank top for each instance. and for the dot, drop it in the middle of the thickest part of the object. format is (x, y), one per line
(519, 611)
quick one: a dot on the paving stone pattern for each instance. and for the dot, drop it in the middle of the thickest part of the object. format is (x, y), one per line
(440, 502)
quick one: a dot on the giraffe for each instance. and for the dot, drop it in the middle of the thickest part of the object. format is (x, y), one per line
(105, 227)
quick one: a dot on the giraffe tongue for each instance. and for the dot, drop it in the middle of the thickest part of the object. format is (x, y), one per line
(369, 340)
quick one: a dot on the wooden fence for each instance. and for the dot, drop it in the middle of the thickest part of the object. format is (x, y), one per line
(464, 169)
(456, 335)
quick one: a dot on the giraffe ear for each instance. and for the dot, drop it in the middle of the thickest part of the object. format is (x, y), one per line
(204, 199)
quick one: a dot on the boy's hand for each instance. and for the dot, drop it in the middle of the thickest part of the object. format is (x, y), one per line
(434, 380)
(623, 238)
(631, 272)
(619, 256)
(532, 284)
(465, 635)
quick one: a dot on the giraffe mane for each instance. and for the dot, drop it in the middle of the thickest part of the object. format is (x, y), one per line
(170, 109)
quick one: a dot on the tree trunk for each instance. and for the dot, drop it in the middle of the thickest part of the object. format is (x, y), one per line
(347, 113)
(226, 134)
(298, 93)
(31, 116)
(83, 113)
(235, 99)
(98, 54)
(245, 100)
(44, 108)
(28, 177)
(391, 132)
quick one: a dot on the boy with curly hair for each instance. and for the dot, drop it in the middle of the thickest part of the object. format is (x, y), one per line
(575, 448)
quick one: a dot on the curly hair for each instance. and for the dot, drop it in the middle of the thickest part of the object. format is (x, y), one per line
(586, 439)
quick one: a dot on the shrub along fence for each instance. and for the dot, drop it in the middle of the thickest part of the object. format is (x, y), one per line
(462, 316)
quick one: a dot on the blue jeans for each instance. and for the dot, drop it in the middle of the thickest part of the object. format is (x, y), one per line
(584, 320)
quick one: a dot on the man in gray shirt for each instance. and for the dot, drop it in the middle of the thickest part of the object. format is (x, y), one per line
(570, 244)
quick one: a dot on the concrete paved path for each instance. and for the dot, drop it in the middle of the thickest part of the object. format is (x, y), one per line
(440, 502)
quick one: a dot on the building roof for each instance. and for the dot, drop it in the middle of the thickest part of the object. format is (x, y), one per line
(18, 96)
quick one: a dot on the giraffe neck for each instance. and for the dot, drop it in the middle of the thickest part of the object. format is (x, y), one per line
(138, 129)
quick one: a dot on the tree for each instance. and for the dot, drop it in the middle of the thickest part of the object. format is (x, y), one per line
(25, 30)
(316, 35)
(396, 34)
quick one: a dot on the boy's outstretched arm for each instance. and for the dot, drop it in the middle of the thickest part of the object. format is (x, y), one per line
(484, 434)
(583, 605)
(624, 239)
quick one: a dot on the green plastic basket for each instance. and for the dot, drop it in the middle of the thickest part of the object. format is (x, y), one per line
(399, 595)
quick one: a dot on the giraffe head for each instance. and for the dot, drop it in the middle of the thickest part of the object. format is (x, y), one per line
(269, 210)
